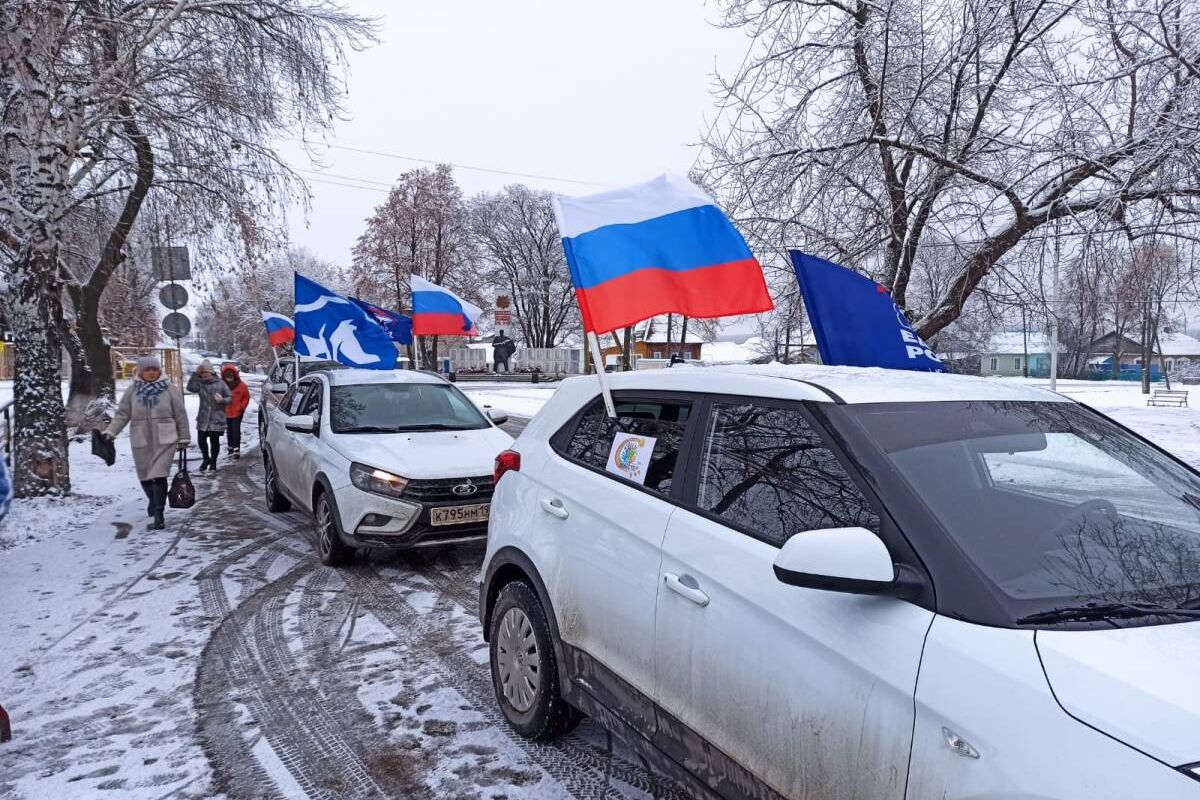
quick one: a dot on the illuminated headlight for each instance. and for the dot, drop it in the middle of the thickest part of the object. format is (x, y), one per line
(1193, 770)
(377, 481)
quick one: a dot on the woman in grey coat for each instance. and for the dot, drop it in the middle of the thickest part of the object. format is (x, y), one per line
(158, 427)
(210, 420)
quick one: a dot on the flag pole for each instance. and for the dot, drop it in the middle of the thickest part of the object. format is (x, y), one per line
(597, 362)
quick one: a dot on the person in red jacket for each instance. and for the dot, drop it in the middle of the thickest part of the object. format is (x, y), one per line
(235, 409)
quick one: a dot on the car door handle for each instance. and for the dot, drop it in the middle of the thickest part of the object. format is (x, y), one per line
(693, 593)
(554, 508)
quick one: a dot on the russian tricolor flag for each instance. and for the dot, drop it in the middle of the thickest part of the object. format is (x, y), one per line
(657, 248)
(437, 311)
(280, 329)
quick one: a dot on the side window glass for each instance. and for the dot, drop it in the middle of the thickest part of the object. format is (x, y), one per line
(285, 402)
(768, 472)
(296, 401)
(662, 420)
(312, 401)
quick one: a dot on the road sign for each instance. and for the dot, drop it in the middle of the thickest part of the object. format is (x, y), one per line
(176, 325)
(171, 263)
(173, 296)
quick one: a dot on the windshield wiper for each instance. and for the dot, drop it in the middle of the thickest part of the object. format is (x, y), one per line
(1104, 611)
(368, 429)
(432, 426)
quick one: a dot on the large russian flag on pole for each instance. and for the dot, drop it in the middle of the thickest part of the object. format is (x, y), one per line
(280, 329)
(437, 311)
(656, 248)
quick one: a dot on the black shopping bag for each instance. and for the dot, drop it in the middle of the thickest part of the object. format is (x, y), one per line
(103, 446)
(182, 493)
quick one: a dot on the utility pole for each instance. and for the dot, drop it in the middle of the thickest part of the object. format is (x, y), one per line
(1054, 313)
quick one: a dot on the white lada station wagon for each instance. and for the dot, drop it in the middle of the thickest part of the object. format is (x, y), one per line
(812, 582)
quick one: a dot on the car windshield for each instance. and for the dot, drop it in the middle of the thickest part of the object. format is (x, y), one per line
(1057, 506)
(399, 407)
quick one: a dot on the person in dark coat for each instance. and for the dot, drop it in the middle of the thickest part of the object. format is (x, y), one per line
(157, 418)
(235, 409)
(210, 419)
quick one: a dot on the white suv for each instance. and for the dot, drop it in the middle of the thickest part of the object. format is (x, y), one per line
(844, 583)
(391, 459)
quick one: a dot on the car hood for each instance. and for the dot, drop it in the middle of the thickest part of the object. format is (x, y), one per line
(424, 455)
(1139, 685)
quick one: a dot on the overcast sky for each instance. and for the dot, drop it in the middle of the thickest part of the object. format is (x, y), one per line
(607, 93)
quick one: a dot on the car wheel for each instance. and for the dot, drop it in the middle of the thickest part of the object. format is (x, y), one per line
(330, 548)
(275, 500)
(524, 670)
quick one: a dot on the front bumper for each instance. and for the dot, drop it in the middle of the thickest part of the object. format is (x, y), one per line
(372, 520)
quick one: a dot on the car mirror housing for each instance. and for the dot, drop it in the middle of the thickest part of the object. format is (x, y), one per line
(496, 416)
(301, 423)
(852, 560)
(278, 387)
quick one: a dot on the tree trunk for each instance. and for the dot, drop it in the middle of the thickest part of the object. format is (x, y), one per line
(627, 350)
(40, 465)
(683, 336)
(1146, 353)
(95, 378)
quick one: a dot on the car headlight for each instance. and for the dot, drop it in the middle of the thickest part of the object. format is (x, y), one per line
(1191, 769)
(377, 481)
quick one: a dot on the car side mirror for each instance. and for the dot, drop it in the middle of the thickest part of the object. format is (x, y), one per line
(852, 560)
(497, 416)
(278, 387)
(301, 423)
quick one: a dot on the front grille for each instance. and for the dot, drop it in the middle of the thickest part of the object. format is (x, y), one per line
(442, 490)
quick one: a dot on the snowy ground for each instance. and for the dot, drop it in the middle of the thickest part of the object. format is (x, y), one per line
(95, 486)
(217, 658)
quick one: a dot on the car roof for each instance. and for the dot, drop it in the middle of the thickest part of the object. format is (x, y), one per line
(354, 377)
(830, 384)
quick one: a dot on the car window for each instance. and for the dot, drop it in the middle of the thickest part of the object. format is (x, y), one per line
(660, 423)
(293, 401)
(768, 472)
(285, 402)
(312, 401)
(399, 407)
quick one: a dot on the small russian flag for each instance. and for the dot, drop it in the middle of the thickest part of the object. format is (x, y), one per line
(437, 311)
(280, 329)
(656, 248)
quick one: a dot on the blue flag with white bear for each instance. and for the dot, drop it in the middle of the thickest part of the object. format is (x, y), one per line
(330, 327)
(855, 320)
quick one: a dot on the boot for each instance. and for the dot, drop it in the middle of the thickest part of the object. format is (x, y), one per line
(148, 488)
(160, 502)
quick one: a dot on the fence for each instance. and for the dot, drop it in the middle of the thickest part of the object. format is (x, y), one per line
(6, 412)
(548, 360)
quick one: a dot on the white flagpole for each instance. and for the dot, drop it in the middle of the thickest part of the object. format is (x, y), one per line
(416, 352)
(594, 346)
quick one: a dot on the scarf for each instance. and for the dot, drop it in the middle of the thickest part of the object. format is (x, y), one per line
(148, 393)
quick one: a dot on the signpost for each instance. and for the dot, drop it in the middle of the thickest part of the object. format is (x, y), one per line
(173, 296)
(176, 325)
(171, 264)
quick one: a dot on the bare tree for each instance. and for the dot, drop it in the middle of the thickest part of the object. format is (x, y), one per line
(105, 98)
(519, 243)
(872, 131)
(422, 228)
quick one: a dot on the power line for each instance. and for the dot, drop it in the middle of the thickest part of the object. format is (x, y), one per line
(468, 167)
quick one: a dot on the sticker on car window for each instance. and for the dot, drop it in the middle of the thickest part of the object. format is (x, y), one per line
(630, 456)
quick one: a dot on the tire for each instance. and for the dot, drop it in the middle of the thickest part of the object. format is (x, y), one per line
(524, 669)
(262, 426)
(330, 548)
(275, 500)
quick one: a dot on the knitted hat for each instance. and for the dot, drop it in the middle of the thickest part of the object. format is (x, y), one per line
(148, 362)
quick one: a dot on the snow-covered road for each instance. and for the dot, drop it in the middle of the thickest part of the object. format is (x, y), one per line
(219, 658)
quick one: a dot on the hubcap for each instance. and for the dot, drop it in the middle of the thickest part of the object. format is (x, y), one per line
(325, 520)
(517, 660)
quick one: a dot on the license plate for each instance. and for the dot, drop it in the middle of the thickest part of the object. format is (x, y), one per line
(459, 515)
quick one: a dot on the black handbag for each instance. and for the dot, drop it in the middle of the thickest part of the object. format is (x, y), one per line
(182, 493)
(103, 447)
